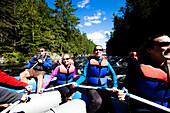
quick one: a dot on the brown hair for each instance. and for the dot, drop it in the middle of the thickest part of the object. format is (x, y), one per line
(65, 55)
(97, 46)
(149, 43)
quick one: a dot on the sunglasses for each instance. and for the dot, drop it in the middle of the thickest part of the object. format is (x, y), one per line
(42, 50)
(66, 58)
(162, 44)
(98, 49)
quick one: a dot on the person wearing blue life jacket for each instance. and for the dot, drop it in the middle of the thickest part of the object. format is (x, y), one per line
(148, 75)
(95, 71)
(36, 68)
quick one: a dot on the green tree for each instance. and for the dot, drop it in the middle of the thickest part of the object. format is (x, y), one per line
(28, 25)
(140, 19)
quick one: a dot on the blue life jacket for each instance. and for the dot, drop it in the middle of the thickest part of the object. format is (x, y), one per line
(154, 85)
(65, 75)
(39, 66)
(97, 72)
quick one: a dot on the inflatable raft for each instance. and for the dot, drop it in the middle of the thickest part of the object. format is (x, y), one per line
(49, 101)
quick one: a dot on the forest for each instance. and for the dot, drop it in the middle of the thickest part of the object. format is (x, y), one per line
(28, 25)
(139, 19)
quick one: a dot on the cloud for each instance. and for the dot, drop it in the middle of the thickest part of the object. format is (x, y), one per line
(107, 32)
(95, 19)
(79, 25)
(83, 3)
(99, 37)
(91, 17)
(87, 24)
(104, 18)
(96, 36)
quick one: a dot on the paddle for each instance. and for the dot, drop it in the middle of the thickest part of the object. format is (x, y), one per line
(18, 101)
(34, 65)
(131, 96)
(147, 102)
(37, 62)
(11, 106)
(52, 88)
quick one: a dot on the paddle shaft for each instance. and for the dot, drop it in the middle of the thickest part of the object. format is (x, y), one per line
(34, 65)
(57, 86)
(37, 62)
(92, 87)
(148, 102)
(133, 97)
(18, 101)
(11, 106)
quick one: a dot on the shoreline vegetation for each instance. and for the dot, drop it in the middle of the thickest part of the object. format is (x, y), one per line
(27, 26)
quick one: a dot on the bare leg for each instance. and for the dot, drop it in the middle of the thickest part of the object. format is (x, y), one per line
(39, 82)
(23, 76)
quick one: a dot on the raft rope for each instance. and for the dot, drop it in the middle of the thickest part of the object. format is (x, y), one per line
(131, 96)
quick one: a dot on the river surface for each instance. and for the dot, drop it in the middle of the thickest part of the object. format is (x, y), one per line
(118, 63)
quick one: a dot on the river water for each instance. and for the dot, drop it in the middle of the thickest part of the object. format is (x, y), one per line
(118, 63)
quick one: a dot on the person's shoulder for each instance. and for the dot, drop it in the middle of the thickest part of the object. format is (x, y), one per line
(104, 57)
(91, 57)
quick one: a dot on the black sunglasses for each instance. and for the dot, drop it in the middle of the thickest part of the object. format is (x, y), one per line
(98, 49)
(41, 50)
(66, 58)
(162, 44)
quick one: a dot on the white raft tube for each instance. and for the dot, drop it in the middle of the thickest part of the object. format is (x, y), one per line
(74, 106)
(39, 103)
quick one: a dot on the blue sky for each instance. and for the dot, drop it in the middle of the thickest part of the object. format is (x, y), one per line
(95, 17)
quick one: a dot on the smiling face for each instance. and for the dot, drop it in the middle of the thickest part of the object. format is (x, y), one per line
(66, 59)
(160, 51)
(42, 51)
(98, 51)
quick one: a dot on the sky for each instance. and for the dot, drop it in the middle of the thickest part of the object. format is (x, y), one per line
(95, 17)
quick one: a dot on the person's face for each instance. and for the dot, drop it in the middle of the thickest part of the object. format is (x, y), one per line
(161, 49)
(98, 51)
(42, 51)
(66, 60)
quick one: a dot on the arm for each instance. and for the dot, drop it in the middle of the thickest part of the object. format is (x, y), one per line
(11, 82)
(48, 63)
(7, 96)
(83, 76)
(29, 63)
(114, 75)
(56, 70)
(75, 76)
